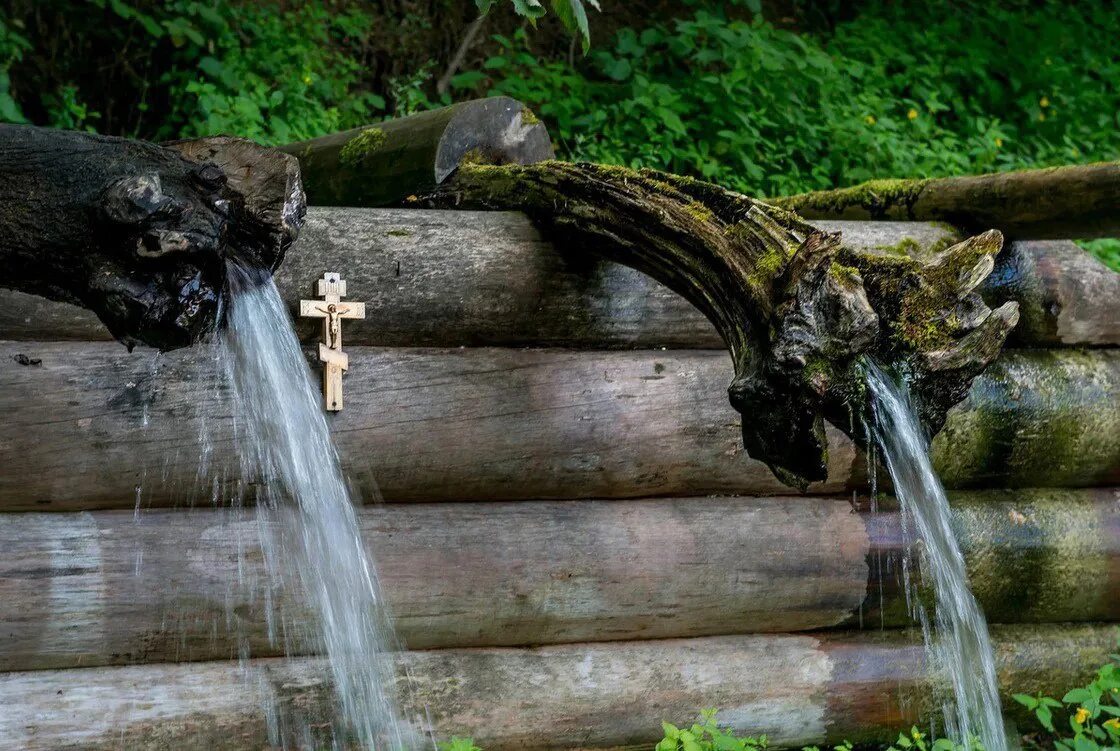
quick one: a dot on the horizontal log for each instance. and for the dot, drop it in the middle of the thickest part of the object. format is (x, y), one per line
(451, 278)
(1075, 201)
(92, 426)
(794, 689)
(167, 586)
(381, 164)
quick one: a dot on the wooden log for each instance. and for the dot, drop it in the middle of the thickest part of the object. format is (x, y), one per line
(111, 587)
(794, 689)
(91, 426)
(454, 278)
(379, 165)
(140, 233)
(1078, 201)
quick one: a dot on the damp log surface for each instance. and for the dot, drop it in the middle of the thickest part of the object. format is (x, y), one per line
(795, 689)
(490, 278)
(92, 426)
(530, 573)
(1077, 201)
(381, 164)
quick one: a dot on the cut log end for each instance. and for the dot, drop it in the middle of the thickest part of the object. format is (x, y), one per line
(797, 309)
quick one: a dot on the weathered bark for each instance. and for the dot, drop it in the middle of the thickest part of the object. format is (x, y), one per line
(140, 233)
(381, 164)
(794, 689)
(1054, 203)
(488, 278)
(797, 311)
(91, 426)
(677, 568)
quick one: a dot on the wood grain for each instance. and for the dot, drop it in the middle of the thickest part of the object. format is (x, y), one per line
(91, 426)
(112, 587)
(795, 689)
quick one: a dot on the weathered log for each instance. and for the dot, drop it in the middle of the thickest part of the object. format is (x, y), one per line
(797, 311)
(1077, 201)
(166, 586)
(379, 165)
(794, 689)
(91, 426)
(139, 233)
(469, 278)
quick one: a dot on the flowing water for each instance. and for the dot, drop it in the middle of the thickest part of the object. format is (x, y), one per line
(959, 644)
(309, 524)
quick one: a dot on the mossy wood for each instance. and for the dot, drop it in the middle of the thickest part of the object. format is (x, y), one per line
(797, 310)
(679, 567)
(381, 164)
(795, 689)
(489, 278)
(139, 233)
(1079, 201)
(91, 426)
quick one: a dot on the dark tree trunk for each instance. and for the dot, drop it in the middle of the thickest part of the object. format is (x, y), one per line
(797, 310)
(140, 233)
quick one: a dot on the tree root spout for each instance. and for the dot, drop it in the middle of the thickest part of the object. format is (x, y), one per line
(798, 310)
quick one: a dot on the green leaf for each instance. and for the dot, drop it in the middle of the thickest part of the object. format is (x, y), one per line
(1046, 717)
(1077, 696)
(1026, 700)
(484, 6)
(574, 17)
(670, 730)
(530, 9)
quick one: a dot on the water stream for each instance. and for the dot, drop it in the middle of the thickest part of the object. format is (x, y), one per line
(957, 641)
(309, 526)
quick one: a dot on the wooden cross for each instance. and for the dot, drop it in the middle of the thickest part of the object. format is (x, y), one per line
(332, 310)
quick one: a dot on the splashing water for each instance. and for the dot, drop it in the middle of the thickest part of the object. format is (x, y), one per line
(309, 526)
(960, 644)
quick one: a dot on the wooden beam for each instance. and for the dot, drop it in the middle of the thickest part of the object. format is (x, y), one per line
(795, 689)
(381, 164)
(167, 586)
(1076, 201)
(91, 426)
(451, 278)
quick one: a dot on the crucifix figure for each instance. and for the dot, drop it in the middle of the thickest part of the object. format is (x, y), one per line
(332, 310)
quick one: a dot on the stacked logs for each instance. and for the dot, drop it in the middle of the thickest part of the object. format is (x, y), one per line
(574, 544)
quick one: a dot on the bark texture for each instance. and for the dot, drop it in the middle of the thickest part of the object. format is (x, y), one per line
(1053, 203)
(797, 311)
(140, 233)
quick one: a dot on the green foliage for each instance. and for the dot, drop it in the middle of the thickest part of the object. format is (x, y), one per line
(1107, 250)
(1092, 713)
(12, 47)
(571, 13)
(705, 735)
(459, 744)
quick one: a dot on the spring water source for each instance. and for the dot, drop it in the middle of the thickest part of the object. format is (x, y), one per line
(309, 526)
(958, 644)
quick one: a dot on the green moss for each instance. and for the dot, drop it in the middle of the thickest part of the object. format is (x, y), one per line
(528, 117)
(474, 156)
(399, 233)
(360, 146)
(699, 211)
(878, 198)
(908, 246)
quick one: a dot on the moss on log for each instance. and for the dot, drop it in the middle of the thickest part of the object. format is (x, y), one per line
(1053, 203)
(381, 164)
(795, 689)
(797, 311)
(679, 567)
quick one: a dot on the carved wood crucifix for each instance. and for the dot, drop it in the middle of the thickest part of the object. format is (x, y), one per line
(332, 310)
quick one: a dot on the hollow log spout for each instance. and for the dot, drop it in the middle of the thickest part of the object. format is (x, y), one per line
(139, 233)
(797, 309)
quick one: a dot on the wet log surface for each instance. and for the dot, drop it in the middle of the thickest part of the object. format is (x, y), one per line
(474, 278)
(140, 233)
(794, 689)
(528, 573)
(91, 426)
(1076, 201)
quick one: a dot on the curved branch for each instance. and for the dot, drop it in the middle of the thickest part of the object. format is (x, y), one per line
(796, 309)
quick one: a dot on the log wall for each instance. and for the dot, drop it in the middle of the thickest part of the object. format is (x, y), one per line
(575, 545)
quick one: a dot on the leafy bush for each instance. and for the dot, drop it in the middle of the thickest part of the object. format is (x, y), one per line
(1091, 712)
